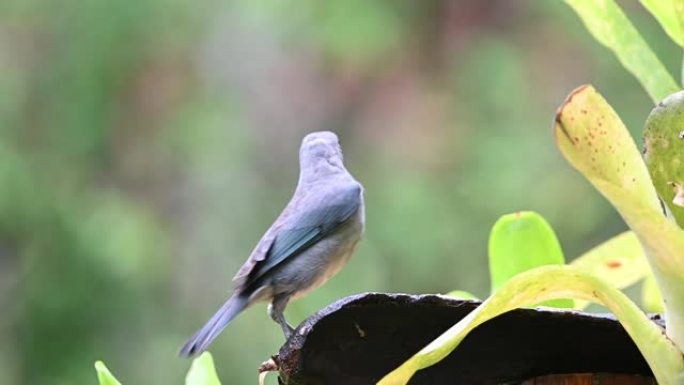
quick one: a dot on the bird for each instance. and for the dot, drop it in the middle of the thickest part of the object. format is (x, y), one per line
(310, 241)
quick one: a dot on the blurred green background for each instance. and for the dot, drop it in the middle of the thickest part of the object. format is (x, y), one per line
(145, 145)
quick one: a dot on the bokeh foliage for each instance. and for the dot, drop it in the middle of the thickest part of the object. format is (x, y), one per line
(145, 146)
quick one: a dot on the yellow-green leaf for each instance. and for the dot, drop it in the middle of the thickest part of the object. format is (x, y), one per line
(651, 299)
(202, 371)
(553, 282)
(461, 294)
(519, 242)
(609, 25)
(665, 12)
(664, 152)
(619, 261)
(104, 376)
(595, 141)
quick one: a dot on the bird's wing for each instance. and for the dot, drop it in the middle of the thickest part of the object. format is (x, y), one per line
(260, 251)
(303, 227)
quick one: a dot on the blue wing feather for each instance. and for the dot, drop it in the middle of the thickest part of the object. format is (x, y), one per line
(307, 228)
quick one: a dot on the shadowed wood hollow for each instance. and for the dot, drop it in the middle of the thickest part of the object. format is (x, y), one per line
(358, 339)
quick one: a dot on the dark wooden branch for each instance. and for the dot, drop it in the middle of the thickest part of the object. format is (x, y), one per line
(360, 338)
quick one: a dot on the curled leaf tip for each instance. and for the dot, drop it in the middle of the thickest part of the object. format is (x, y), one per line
(559, 113)
(568, 99)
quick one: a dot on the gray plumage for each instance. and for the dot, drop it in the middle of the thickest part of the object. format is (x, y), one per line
(311, 240)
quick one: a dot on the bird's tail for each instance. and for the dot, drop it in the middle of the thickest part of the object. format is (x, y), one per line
(201, 340)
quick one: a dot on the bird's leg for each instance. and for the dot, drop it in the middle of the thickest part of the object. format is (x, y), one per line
(276, 309)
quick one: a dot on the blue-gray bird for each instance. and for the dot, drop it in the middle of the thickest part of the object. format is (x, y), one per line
(311, 240)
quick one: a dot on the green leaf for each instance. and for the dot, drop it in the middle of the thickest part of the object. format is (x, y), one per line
(651, 299)
(553, 282)
(202, 371)
(664, 11)
(520, 242)
(593, 139)
(104, 376)
(461, 294)
(609, 25)
(619, 261)
(664, 152)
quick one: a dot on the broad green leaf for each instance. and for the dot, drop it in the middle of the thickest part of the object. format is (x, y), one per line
(670, 15)
(104, 376)
(651, 299)
(664, 11)
(619, 261)
(520, 242)
(202, 371)
(461, 294)
(609, 25)
(664, 152)
(543, 284)
(593, 139)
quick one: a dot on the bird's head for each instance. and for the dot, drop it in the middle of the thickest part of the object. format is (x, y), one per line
(321, 154)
